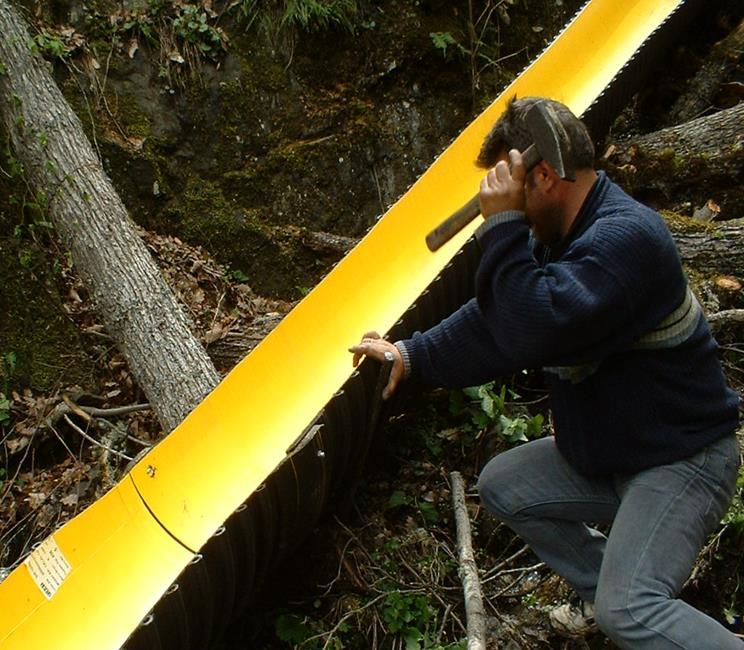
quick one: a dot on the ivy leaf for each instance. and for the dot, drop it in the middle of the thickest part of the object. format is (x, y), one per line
(291, 628)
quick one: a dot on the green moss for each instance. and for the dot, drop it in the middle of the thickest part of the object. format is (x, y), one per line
(274, 261)
(684, 224)
(687, 225)
(33, 324)
(130, 117)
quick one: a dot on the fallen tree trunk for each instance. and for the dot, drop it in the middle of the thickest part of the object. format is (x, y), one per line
(140, 312)
(713, 248)
(694, 162)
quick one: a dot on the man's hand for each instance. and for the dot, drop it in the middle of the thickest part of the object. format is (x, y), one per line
(375, 347)
(503, 189)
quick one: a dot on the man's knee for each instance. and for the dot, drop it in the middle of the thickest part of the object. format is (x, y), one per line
(494, 489)
(614, 619)
(624, 619)
(515, 479)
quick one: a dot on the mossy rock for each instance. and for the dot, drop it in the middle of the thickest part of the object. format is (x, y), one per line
(274, 260)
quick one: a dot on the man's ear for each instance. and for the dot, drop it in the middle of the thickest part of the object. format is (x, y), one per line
(546, 178)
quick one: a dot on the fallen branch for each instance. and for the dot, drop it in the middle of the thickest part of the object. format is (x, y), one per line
(726, 317)
(92, 440)
(91, 413)
(714, 248)
(475, 615)
(328, 243)
(113, 412)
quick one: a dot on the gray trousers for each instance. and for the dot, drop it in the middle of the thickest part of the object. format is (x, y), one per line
(660, 520)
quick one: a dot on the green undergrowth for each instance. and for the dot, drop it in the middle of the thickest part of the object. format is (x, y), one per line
(392, 580)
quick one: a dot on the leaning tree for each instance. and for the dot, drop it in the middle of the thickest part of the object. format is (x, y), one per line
(139, 310)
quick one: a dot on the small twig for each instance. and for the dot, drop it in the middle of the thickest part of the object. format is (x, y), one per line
(64, 444)
(492, 572)
(113, 412)
(11, 482)
(440, 632)
(379, 189)
(141, 443)
(522, 572)
(217, 310)
(521, 569)
(329, 586)
(710, 548)
(88, 413)
(93, 440)
(475, 615)
(342, 620)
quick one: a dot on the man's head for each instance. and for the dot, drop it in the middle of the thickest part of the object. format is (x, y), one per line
(551, 204)
(511, 132)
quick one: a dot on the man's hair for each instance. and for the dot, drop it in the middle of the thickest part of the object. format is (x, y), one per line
(511, 132)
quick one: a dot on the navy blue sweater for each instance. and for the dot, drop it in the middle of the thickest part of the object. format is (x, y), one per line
(630, 362)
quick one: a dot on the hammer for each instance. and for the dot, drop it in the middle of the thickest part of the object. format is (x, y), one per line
(549, 143)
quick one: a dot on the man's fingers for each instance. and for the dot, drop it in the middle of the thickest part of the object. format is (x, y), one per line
(396, 373)
(380, 350)
(501, 172)
(517, 166)
(364, 348)
(370, 348)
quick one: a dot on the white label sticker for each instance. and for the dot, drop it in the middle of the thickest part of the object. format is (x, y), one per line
(48, 566)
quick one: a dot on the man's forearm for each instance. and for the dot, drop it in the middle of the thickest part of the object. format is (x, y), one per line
(457, 352)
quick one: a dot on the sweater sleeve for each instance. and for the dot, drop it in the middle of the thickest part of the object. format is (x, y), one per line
(597, 299)
(458, 352)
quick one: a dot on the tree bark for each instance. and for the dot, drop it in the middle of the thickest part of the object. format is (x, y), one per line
(695, 161)
(714, 248)
(139, 310)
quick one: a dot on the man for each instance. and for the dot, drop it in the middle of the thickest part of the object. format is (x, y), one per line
(581, 280)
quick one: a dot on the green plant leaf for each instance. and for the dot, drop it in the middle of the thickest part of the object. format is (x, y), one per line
(291, 628)
(429, 511)
(412, 637)
(399, 498)
(442, 40)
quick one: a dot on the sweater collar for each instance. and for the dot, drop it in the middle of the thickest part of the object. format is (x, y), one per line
(587, 215)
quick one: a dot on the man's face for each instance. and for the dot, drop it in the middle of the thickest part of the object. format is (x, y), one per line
(541, 212)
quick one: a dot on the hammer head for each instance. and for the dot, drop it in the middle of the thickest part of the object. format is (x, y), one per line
(551, 140)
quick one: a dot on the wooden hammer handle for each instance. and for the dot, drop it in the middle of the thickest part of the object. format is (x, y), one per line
(462, 217)
(453, 224)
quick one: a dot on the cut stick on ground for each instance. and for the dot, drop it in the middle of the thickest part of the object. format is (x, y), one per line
(468, 571)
